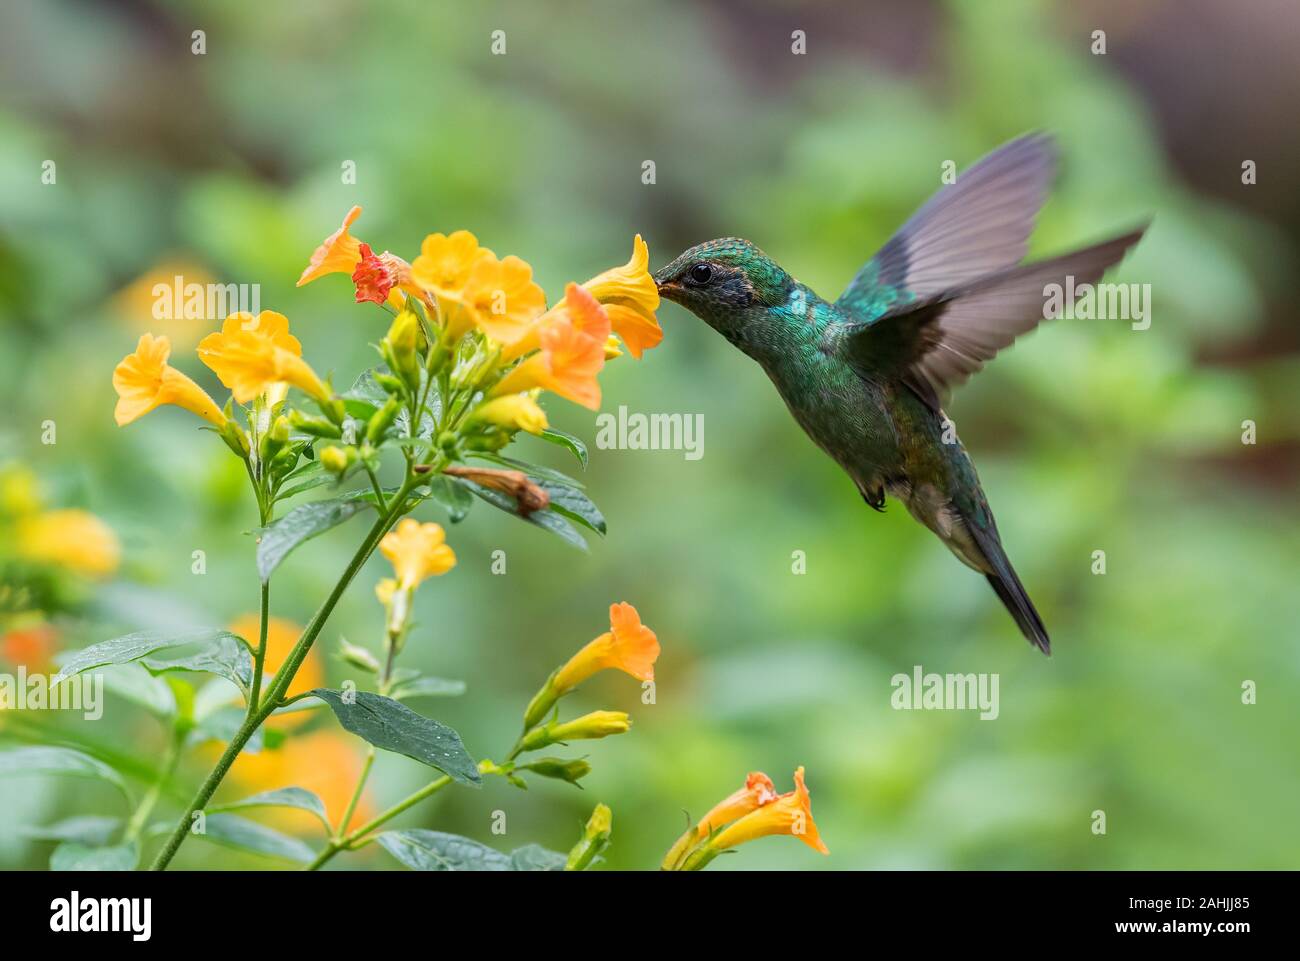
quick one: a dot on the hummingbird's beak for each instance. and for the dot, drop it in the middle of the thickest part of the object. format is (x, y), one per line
(664, 287)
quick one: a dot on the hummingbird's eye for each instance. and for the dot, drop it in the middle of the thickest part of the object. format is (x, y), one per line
(701, 274)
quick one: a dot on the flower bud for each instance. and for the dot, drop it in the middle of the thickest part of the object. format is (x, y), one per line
(337, 459)
(389, 383)
(382, 420)
(359, 657)
(273, 440)
(591, 726)
(512, 412)
(316, 426)
(400, 349)
(235, 438)
(595, 838)
(559, 769)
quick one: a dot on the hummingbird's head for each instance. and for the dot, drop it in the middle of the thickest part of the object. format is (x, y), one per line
(727, 283)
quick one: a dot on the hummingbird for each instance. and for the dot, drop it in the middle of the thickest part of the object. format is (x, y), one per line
(868, 375)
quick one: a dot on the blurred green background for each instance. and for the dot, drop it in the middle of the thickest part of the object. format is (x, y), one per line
(1089, 435)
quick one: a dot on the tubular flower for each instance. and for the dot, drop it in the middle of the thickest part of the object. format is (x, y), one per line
(144, 380)
(417, 551)
(499, 298)
(631, 298)
(789, 814)
(593, 726)
(339, 253)
(628, 646)
(513, 412)
(572, 353)
(252, 355)
(75, 539)
(443, 269)
(757, 792)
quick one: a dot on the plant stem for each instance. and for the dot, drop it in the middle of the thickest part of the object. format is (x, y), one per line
(170, 760)
(259, 658)
(339, 844)
(283, 677)
(356, 795)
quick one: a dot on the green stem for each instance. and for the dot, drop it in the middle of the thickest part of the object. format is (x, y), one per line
(147, 803)
(356, 795)
(340, 844)
(259, 658)
(283, 678)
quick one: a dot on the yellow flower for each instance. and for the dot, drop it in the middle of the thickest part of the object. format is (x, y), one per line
(499, 298)
(144, 380)
(628, 646)
(75, 539)
(443, 269)
(789, 814)
(572, 352)
(339, 253)
(417, 551)
(631, 298)
(252, 355)
(513, 412)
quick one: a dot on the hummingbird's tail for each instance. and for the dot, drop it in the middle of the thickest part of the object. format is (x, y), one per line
(1013, 595)
(1002, 578)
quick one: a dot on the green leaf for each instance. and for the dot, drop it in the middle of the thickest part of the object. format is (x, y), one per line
(91, 830)
(452, 496)
(237, 832)
(567, 497)
(574, 504)
(223, 654)
(428, 687)
(547, 520)
(285, 797)
(58, 760)
(302, 523)
(75, 856)
(316, 480)
(366, 396)
(132, 647)
(534, 857)
(423, 850)
(140, 688)
(392, 726)
(573, 444)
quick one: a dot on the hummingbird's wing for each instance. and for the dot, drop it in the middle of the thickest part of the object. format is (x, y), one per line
(934, 345)
(976, 226)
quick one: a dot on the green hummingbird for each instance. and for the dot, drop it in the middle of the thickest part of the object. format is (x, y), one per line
(867, 376)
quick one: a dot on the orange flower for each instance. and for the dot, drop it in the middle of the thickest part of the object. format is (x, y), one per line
(631, 298)
(789, 814)
(628, 646)
(339, 253)
(417, 551)
(144, 380)
(758, 791)
(252, 355)
(32, 646)
(572, 353)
